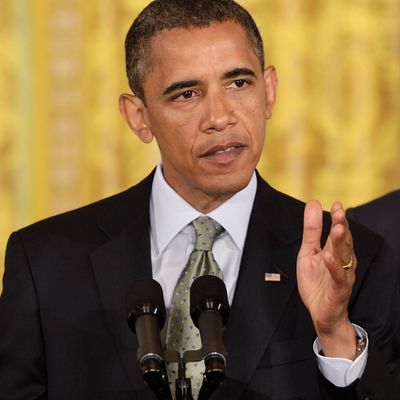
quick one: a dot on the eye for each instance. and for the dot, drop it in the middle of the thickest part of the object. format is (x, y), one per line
(239, 83)
(187, 95)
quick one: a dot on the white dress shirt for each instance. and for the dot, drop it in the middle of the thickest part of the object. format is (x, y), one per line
(173, 238)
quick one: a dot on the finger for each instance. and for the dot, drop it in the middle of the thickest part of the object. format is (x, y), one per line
(338, 214)
(340, 235)
(312, 227)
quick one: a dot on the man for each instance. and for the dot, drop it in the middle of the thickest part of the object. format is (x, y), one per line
(382, 216)
(201, 90)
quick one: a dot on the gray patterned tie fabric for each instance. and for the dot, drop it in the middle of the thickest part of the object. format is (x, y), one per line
(182, 335)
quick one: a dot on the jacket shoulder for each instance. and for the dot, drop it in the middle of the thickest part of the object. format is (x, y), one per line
(117, 209)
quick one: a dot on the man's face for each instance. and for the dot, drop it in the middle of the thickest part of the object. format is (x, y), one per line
(207, 101)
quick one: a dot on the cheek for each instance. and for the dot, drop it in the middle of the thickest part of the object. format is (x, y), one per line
(176, 133)
(252, 104)
(252, 113)
(184, 127)
(177, 119)
(166, 123)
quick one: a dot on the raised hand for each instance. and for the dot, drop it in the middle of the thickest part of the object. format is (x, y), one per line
(325, 278)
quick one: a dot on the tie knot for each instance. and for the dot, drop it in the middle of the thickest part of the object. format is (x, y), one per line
(207, 231)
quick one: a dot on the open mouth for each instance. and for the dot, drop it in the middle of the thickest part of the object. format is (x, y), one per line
(218, 150)
(226, 150)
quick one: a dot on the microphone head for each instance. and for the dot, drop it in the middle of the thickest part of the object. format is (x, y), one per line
(208, 292)
(145, 297)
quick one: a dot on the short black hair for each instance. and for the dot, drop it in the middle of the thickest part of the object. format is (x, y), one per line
(162, 15)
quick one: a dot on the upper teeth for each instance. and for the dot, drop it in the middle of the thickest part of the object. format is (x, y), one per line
(225, 150)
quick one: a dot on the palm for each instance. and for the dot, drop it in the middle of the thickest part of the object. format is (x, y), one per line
(324, 286)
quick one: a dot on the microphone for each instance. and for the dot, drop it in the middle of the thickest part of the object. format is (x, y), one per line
(209, 309)
(146, 316)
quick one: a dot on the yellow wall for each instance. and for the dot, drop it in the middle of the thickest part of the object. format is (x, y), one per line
(335, 133)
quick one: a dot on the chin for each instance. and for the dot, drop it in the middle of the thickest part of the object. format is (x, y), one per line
(227, 185)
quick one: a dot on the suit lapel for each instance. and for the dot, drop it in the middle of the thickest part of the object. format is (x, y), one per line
(271, 246)
(117, 263)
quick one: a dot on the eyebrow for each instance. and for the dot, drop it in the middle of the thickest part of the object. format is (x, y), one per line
(180, 85)
(234, 73)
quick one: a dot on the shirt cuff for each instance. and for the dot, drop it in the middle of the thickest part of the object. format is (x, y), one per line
(341, 371)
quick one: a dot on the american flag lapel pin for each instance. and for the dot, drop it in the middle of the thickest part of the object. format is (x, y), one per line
(272, 277)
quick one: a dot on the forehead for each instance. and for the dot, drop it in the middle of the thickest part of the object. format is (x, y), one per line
(194, 51)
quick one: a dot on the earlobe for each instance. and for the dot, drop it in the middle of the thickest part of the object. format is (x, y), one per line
(132, 109)
(271, 83)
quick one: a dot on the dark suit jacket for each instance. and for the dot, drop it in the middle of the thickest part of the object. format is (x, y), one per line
(63, 330)
(382, 216)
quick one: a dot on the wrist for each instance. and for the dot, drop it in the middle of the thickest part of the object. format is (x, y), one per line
(339, 341)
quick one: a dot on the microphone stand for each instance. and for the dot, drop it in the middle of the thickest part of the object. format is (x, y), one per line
(183, 387)
(213, 376)
(157, 379)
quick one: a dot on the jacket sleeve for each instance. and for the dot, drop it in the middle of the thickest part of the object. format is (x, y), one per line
(22, 359)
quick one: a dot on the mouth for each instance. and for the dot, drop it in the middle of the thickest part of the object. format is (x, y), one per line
(224, 153)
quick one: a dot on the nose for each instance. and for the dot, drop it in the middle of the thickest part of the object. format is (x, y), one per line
(219, 113)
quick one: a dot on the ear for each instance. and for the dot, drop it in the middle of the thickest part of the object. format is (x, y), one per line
(132, 108)
(271, 83)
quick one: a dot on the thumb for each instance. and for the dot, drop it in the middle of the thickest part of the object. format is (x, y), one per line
(312, 228)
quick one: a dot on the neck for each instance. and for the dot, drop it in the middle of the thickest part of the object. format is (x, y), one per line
(205, 203)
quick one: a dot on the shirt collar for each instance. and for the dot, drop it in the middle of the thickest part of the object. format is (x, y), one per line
(233, 215)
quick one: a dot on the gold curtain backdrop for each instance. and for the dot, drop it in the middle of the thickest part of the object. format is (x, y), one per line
(335, 132)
